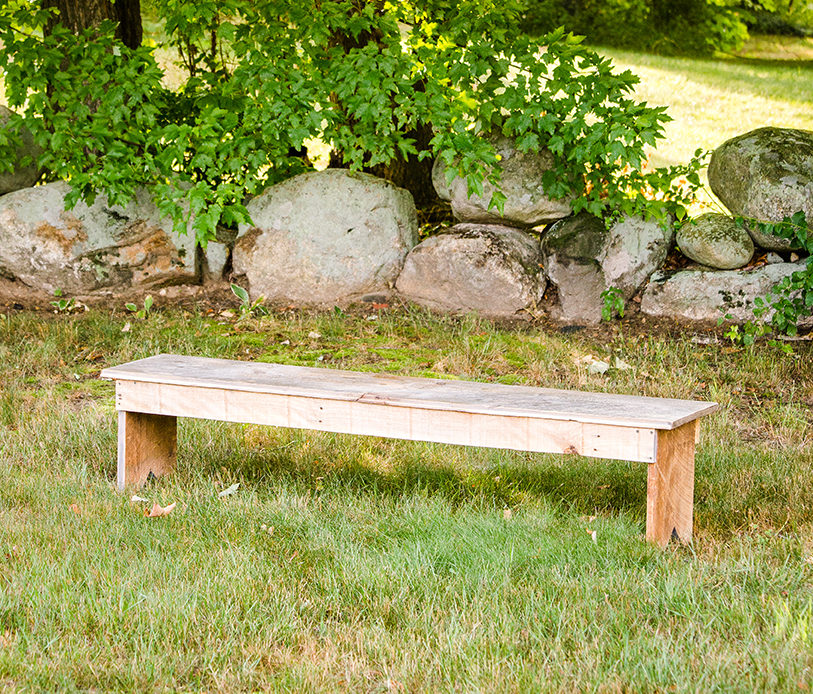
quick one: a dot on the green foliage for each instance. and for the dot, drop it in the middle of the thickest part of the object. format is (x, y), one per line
(789, 17)
(64, 304)
(663, 26)
(612, 304)
(792, 298)
(263, 77)
(249, 308)
(140, 313)
(747, 334)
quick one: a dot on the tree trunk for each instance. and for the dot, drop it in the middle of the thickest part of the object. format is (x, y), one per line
(411, 173)
(130, 31)
(78, 15)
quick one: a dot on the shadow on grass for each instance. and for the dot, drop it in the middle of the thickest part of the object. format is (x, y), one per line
(459, 475)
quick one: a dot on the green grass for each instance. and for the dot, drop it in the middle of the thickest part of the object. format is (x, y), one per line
(360, 564)
(712, 99)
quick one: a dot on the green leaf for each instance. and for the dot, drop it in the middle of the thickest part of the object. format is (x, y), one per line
(240, 293)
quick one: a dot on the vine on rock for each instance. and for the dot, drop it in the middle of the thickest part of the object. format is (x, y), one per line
(792, 298)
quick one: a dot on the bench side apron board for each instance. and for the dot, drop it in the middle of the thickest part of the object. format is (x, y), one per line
(152, 393)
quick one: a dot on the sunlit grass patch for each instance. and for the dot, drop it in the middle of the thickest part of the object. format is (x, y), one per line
(356, 563)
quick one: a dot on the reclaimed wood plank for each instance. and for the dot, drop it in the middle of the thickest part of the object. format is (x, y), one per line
(670, 487)
(410, 423)
(424, 393)
(147, 445)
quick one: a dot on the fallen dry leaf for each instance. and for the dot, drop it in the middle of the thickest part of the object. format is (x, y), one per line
(158, 511)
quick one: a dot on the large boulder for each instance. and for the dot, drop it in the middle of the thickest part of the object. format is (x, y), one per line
(326, 237)
(19, 176)
(716, 241)
(708, 295)
(91, 247)
(766, 174)
(493, 270)
(526, 204)
(583, 258)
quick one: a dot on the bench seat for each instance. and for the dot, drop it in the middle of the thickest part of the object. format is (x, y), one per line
(151, 393)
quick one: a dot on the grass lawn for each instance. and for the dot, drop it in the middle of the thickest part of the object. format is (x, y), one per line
(714, 99)
(360, 564)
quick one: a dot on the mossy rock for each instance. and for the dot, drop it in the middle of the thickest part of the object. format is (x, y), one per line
(767, 175)
(716, 241)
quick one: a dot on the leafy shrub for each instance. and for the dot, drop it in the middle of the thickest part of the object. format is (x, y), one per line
(792, 298)
(263, 77)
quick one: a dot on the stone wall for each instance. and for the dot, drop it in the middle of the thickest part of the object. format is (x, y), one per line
(334, 237)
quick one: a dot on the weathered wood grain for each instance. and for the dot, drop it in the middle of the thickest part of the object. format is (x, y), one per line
(147, 445)
(670, 487)
(411, 423)
(423, 393)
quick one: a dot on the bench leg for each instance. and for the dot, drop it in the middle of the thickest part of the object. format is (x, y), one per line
(147, 444)
(670, 487)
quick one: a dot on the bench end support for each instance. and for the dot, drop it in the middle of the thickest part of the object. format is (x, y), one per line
(147, 445)
(670, 486)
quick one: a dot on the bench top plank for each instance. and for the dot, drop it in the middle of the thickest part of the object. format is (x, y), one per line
(424, 393)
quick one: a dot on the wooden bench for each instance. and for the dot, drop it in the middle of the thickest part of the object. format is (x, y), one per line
(152, 393)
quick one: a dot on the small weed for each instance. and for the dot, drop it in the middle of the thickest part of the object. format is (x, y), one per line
(66, 305)
(747, 334)
(612, 304)
(63, 305)
(248, 308)
(141, 313)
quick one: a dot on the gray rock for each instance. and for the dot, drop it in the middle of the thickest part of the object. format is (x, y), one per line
(491, 269)
(707, 295)
(570, 252)
(716, 241)
(766, 174)
(90, 247)
(583, 258)
(773, 258)
(526, 203)
(326, 237)
(634, 249)
(19, 177)
(439, 180)
(218, 253)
